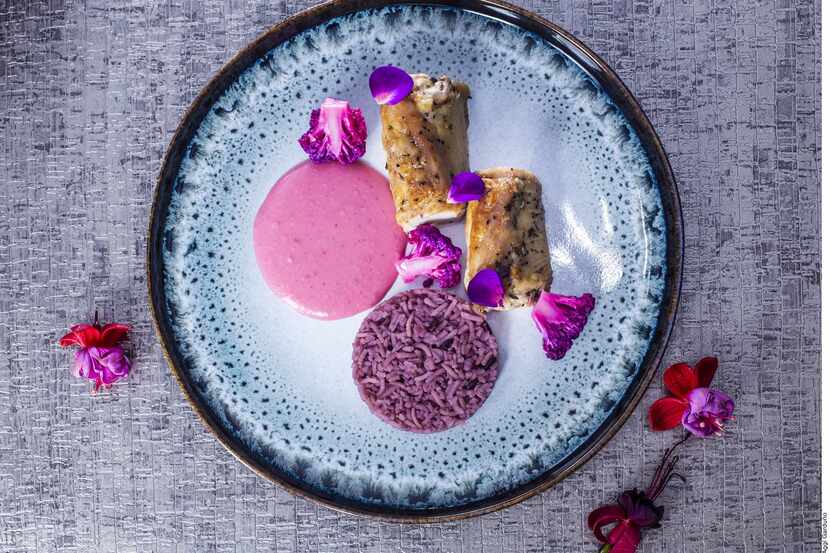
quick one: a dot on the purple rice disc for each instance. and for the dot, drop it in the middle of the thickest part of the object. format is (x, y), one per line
(425, 360)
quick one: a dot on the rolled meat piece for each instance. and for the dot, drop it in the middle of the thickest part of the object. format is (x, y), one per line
(506, 232)
(425, 138)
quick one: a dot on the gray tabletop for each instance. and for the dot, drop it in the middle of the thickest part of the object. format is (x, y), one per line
(90, 93)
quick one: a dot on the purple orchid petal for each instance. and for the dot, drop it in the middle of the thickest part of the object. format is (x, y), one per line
(486, 289)
(390, 84)
(466, 187)
(708, 409)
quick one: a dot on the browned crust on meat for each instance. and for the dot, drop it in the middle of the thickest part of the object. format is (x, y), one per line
(506, 232)
(425, 138)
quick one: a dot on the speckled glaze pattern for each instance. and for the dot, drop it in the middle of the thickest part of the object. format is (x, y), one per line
(260, 367)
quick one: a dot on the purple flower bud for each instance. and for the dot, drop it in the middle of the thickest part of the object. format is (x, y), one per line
(707, 411)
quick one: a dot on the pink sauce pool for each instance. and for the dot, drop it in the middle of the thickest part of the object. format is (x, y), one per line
(326, 239)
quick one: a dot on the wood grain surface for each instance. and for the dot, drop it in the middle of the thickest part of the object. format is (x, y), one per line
(90, 93)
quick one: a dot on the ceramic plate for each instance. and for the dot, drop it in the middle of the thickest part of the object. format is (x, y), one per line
(276, 387)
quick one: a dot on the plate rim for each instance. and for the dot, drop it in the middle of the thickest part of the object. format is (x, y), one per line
(610, 83)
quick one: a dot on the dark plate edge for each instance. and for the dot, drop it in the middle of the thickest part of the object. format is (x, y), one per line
(611, 84)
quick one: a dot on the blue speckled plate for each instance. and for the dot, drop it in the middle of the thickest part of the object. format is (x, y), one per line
(276, 387)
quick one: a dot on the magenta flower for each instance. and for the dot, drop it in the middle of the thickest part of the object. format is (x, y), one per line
(390, 84)
(486, 289)
(708, 409)
(99, 358)
(466, 187)
(634, 510)
(700, 409)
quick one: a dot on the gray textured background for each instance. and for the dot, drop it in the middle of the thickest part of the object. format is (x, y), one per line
(90, 94)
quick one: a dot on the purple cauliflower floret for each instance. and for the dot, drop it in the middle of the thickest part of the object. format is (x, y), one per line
(560, 319)
(433, 256)
(336, 132)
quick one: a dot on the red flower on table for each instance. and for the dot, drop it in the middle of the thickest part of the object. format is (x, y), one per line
(634, 510)
(99, 357)
(700, 409)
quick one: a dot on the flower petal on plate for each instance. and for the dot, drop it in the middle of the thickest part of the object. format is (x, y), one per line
(666, 413)
(466, 187)
(680, 379)
(486, 289)
(390, 84)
